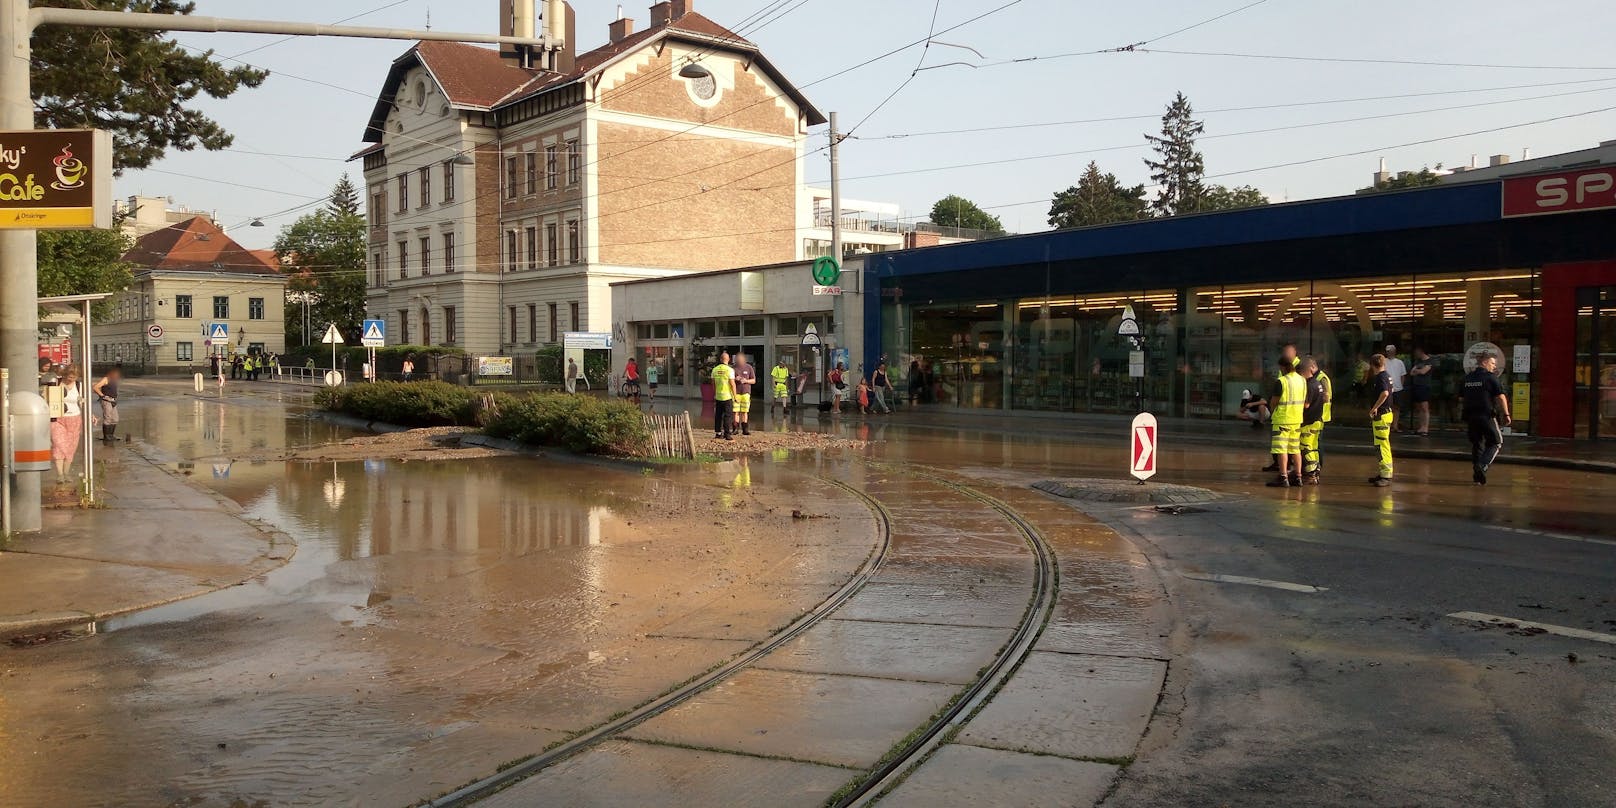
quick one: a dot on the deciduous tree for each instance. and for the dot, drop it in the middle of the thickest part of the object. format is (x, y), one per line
(324, 252)
(1098, 199)
(136, 84)
(1222, 197)
(1406, 179)
(81, 262)
(957, 211)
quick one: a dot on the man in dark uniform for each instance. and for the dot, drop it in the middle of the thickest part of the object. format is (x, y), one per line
(1312, 420)
(1484, 407)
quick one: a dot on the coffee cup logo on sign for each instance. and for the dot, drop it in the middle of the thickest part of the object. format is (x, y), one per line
(70, 170)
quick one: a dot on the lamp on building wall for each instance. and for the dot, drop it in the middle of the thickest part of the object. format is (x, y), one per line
(463, 159)
(694, 71)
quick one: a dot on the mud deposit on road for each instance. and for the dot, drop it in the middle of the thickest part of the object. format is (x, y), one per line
(759, 442)
(435, 443)
(438, 620)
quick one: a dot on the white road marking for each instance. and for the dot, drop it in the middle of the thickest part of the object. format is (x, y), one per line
(1564, 631)
(1241, 579)
(1548, 535)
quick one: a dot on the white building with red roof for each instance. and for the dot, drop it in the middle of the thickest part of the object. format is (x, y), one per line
(507, 191)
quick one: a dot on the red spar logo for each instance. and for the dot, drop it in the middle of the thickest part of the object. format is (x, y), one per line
(1565, 192)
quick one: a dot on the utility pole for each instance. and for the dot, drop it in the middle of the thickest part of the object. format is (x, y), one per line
(19, 279)
(838, 312)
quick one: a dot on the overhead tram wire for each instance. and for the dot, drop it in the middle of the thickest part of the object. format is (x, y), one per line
(1355, 60)
(931, 33)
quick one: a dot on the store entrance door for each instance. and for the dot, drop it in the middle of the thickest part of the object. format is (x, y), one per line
(1596, 363)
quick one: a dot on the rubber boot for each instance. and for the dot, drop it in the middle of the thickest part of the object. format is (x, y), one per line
(746, 427)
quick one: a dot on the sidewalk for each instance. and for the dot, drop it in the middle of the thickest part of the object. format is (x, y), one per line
(1524, 450)
(154, 538)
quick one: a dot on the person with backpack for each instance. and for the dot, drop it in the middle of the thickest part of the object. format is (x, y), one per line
(838, 387)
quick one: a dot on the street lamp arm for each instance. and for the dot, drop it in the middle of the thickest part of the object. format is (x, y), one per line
(182, 22)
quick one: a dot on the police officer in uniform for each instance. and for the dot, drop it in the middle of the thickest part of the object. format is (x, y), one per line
(1312, 420)
(1291, 397)
(1485, 405)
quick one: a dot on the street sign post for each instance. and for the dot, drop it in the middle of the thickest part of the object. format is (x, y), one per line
(333, 337)
(1142, 460)
(154, 334)
(1129, 327)
(219, 332)
(373, 334)
(810, 336)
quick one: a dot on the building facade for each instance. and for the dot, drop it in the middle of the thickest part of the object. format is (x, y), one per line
(186, 276)
(504, 196)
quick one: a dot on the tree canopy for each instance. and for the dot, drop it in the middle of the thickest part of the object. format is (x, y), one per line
(957, 211)
(136, 84)
(324, 253)
(1406, 179)
(1222, 197)
(81, 262)
(1097, 199)
(1179, 168)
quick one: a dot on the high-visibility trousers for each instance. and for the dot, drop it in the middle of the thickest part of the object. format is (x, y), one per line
(1383, 443)
(1310, 446)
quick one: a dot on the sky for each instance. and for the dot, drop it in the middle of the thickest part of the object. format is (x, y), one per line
(1515, 79)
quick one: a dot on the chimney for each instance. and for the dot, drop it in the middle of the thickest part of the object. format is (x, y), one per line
(561, 27)
(1382, 175)
(681, 8)
(1526, 153)
(661, 13)
(1498, 160)
(516, 19)
(622, 28)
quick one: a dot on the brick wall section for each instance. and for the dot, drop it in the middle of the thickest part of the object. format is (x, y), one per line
(747, 106)
(486, 238)
(658, 224)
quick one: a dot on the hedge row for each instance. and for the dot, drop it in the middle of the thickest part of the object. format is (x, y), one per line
(582, 424)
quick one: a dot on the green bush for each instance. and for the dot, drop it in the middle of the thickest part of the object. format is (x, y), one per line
(582, 424)
(413, 404)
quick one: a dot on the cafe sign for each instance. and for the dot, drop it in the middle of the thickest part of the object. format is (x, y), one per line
(55, 179)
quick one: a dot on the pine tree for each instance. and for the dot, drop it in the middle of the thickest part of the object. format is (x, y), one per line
(345, 198)
(1180, 169)
(1097, 199)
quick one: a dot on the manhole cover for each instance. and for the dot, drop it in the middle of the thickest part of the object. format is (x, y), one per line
(1100, 490)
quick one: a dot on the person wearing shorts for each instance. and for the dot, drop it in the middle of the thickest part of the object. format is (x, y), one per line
(1288, 404)
(838, 387)
(745, 377)
(780, 375)
(651, 374)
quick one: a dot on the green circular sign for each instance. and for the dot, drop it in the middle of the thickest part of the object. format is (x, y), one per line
(826, 271)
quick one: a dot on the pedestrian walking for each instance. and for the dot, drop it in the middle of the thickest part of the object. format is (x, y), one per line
(1381, 413)
(653, 372)
(914, 381)
(723, 398)
(106, 393)
(1485, 409)
(863, 395)
(1329, 400)
(779, 375)
(1397, 371)
(571, 379)
(408, 368)
(881, 385)
(213, 365)
(1289, 400)
(235, 367)
(838, 387)
(1420, 376)
(67, 426)
(47, 372)
(1312, 420)
(745, 377)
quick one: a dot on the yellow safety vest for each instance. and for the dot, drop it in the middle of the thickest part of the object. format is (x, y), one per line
(722, 374)
(1293, 397)
(779, 375)
(1329, 393)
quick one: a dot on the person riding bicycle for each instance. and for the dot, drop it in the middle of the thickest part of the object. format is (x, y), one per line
(631, 378)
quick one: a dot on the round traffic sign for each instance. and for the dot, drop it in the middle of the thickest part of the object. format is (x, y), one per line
(333, 378)
(154, 331)
(826, 271)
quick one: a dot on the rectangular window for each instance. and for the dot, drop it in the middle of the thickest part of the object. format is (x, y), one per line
(404, 326)
(221, 307)
(552, 247)
(255, 308)
(403, 260)
(448, 180)
(448, 252)
(532, 322)
(510, 177)
(511, 256)
(532, 247)
(572, 241)
(575, 324)
(550, 167)
(182, 351)
(425, 192)
(752, 328)
(426, 255)
(510, 313)
(403, 192)
(449, 324)
(256, 348)
(553, 329)
(376, 272)
(532, 170)
(575, 161)
(182, 306)
(378, 206)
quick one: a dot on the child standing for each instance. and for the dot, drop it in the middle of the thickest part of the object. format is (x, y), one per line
(864, 395)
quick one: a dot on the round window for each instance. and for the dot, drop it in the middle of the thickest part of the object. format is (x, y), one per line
(704, 86)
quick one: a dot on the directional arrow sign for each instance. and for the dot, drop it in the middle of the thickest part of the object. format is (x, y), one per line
(332, 336)
(1143, 463)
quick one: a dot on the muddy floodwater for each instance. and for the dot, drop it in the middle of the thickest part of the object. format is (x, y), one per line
(437, 619)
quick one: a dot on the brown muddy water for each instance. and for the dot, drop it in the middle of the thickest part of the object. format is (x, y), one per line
(437, 620)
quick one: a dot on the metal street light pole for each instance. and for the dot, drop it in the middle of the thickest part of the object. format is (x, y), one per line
(19, 286)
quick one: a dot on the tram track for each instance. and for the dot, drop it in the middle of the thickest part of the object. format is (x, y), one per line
(916, 746)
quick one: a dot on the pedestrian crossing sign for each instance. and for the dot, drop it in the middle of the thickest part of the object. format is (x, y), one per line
(374, 334)
(218, 331)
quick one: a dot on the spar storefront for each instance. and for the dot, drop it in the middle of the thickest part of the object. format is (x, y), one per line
(1525, 266)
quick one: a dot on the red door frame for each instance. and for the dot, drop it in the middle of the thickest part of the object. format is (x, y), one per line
(1557, 337)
